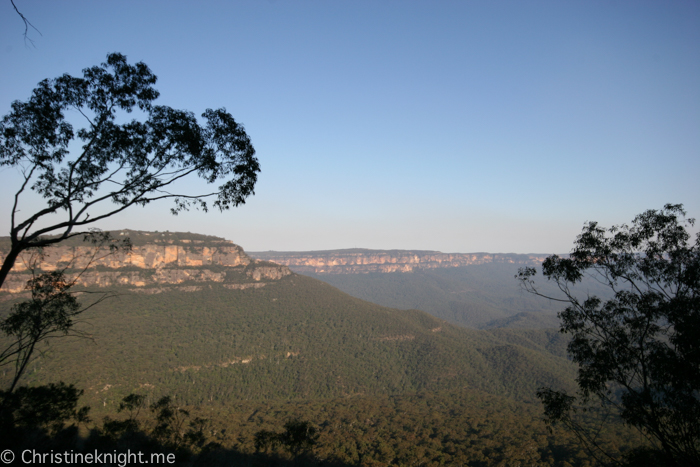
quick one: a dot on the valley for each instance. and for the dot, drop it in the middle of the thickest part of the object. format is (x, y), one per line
(249, 344)
(476, 290)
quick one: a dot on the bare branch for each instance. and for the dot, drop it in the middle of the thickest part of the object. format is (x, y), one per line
(27, 24)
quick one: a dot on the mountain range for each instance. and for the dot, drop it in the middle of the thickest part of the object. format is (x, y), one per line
(193, 309)
(248, 340)
(477, 290)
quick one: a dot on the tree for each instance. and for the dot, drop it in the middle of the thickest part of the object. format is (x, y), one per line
(299, 437)
(173, 427)
(44, 409)
(50, 312)
(118, 165)
(639, 351)
(52, 308)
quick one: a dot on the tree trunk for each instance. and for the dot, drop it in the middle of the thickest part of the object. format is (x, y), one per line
(9, 262)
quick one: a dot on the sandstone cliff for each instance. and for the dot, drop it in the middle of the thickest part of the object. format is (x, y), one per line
(155, 260)
(358, 261)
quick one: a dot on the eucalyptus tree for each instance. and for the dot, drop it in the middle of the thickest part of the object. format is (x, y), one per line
(638, 352)
(109, 163)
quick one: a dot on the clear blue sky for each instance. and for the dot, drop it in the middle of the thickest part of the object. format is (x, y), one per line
(458, 126)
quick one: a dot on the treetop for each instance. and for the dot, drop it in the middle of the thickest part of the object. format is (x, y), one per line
(119, 164)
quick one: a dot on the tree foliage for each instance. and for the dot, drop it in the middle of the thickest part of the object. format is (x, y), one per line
(639, 351)
(115, 163)
(52, 308)
(172, 427)
(48, 406)
(298, 437)
(50, 311)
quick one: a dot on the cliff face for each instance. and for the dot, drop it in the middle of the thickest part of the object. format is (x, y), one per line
(156, 259)
(365, 261)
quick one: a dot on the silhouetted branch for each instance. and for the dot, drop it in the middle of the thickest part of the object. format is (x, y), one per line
(27, 24)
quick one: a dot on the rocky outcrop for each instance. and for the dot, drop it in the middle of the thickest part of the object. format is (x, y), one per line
(152, 256)
(158, 259)
(357, 261)
(267, 271)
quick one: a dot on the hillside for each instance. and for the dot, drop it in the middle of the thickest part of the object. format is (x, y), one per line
(295, 338)
(477, 290)
(250, 351)
(197, 317)
(473, 296)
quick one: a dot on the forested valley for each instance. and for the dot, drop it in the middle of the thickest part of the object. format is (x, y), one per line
(225, 367)
(464, 126)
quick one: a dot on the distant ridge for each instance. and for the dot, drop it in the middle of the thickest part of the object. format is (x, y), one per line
(525, 320)
(362, 261)
(477, 290)
(345, 250)
(473, 289)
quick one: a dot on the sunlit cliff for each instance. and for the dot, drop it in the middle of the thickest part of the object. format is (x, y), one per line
(155, 259)
(357, 261)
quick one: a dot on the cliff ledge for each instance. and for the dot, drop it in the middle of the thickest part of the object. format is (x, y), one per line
(156, 259)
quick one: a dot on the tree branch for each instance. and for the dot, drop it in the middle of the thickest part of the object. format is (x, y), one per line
(27, 24)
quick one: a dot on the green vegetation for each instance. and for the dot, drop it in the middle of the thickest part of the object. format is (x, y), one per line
(480, 296)
(298, 438)
(295, 338)
(371, 385)
(638, 351)
(426, 428)
(475, 296)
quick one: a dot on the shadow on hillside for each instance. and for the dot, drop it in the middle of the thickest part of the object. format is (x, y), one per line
(229, 457)
(68, 447)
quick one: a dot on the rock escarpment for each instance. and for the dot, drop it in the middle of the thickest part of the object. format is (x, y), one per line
(358, 261)
(156, 259)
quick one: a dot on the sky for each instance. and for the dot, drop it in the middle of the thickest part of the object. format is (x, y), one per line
(457, 126)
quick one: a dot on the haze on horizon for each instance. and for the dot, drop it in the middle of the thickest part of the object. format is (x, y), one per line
(454, 126)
